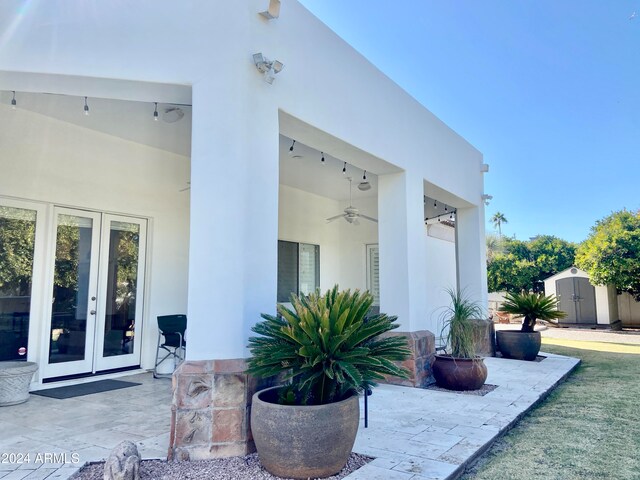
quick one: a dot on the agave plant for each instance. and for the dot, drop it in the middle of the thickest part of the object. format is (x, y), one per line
(456, 318)
(532, 306)
(327, 346)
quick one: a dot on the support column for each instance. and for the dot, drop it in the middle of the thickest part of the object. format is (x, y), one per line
(232, 267)
(471, 253)
(402, 243)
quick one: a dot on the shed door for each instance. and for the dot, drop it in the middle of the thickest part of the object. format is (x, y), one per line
(585, 301)
(578, 299)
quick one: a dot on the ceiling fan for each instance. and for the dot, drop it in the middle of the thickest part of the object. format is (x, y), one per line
(351, 214)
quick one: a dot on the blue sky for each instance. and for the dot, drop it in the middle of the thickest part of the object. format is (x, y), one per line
(547, 90)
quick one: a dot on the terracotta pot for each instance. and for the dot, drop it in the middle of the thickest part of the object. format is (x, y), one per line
(517, 344)
(459, 373)
(303, 441)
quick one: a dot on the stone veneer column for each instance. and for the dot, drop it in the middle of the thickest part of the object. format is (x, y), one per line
(422, 346)
(210, 410)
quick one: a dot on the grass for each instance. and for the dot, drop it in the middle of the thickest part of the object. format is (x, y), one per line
(588, 428)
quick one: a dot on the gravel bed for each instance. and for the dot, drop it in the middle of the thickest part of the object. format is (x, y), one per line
(481, 392)
(233, 468)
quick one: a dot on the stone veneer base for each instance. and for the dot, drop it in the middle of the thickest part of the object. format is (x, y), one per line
(422, 344)
(210, 410)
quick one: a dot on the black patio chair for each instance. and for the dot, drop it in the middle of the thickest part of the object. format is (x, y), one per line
(172, 328)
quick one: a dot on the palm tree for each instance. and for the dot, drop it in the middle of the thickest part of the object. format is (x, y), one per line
(498, 219)
(494, 246)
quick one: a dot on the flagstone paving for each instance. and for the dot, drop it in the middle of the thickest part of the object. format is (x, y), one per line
(413, 433)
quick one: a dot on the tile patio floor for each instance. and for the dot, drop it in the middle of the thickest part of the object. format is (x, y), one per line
(413, 433)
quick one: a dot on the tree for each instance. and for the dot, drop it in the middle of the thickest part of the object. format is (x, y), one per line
(611, 253)
(498, 219)
(524, 265)
(494, 246)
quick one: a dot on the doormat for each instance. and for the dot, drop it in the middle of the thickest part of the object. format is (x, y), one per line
(84, 389)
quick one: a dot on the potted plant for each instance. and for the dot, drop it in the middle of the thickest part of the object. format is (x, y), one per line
(327, 350)
(15, 377)
(462, 368)
(524, 344)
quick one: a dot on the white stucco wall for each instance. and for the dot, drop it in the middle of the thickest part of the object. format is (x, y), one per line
(55, 162)
(325, 84)
(441, 274)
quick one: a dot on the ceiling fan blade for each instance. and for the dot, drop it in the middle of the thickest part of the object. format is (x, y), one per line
(335, 218)
(369, 218)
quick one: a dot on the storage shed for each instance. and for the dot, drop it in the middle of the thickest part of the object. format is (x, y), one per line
(585, 304)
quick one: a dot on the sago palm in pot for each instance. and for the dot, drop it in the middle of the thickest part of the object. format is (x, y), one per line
(327, 349)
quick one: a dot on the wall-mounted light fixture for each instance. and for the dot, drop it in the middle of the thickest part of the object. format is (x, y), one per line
(486, 198)
(484, 167)
(86, 107)
(273, 11)
(14, 104)
(269, 68)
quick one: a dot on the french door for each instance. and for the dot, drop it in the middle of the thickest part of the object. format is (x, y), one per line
(96, 285)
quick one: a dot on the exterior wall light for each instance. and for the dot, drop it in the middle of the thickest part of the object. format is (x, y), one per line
(484, 167)
(267, 67)
(487, 198)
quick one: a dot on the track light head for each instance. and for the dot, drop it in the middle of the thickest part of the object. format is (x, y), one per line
(13, 101)
(155, 112)
(86, 107)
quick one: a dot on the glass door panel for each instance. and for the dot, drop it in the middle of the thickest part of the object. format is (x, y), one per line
(72, 321)
(17, 248)
(121, 292)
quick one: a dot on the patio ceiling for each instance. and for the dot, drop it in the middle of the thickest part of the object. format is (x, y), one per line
(121, 118)
(304, 170)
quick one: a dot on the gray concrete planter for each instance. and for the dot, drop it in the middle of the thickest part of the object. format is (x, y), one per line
(14, 382)
(303, 441)
(518, 345)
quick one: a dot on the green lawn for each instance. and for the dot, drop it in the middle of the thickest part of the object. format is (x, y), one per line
(588, 428)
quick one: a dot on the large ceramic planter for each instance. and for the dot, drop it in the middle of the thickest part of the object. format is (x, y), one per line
(459, 373)
(303, 441)
(518, 345)
(14, 382)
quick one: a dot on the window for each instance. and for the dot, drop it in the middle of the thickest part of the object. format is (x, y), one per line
(298, 269)
(17, 246)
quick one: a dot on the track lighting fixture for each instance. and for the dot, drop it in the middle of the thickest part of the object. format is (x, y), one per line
(451, 216)
(291, 147)
(344, 168)
(155, 112)
(322, 157)
(13, 101)
(435, 205)
(445, 208)
(86, 107)
(364, 185)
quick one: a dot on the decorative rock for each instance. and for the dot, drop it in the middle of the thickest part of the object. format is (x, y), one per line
(123, 463)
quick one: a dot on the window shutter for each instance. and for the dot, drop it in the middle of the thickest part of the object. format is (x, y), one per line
(373, 280)
(287, 270)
